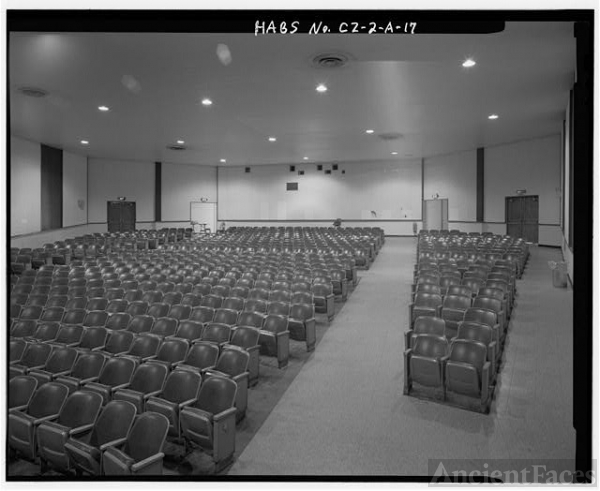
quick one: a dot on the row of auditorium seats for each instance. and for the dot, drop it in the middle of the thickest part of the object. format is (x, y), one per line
(129, 325)
(463, 296)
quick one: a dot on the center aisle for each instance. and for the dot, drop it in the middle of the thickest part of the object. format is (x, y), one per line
(345, 412)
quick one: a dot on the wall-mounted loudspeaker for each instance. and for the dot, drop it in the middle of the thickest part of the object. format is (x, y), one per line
(300, 172)
(334, 167)
(328, 171)
(319, 167)
(292, 168)
(247, 170)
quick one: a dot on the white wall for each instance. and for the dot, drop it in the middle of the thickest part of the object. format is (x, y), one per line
(25, 186)
(391, 189)
(74, 189)
(108, 179)
(182, 184)
(533, 165)
(454, 177)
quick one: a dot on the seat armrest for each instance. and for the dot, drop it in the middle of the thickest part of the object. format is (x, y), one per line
(17, 408)
(224, 414)
(81, 429)
(118, 387)
(189, 402)
(114, 443)
(86, 380)
(50, 417)
(61, 374)
(407, 336)
(242, 376)
(72, 345)
(98, 348)
(151, 394)
(149, 358)
(147, 461)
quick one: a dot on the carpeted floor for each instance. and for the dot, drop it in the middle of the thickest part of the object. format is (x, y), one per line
(345, 414)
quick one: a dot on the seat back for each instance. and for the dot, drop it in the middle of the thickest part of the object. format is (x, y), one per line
(430, 346)
(35, 354)
(457, 302)
(180, 312)
(60, 360)
(472, 353)
(245, 337)
(20, 390)
(427, 300)
(302, 311)
(429, 325)
(488, 303)
(202, 355)
(158, 309)
(69, 334)
(181, 385)
(147, 436)
(23, 328)
(117, 371)
(475, 331)
(74, 316)
(47, 399)
(233, 362)
(225, 316)
(88, 365)
(275, 323)
(144, 345)
(202, 314)
(81, 408)
(164, 326)
(216, 333)
(255, 305)
(216, 395)
(212, 300)
(114, 422)
(16, 349)
(172, 350)
(148, 377)
(95, 318)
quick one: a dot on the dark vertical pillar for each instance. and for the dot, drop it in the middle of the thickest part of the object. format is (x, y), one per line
(422, 189)
(480, 161)
(157, 191)
(52, 187)
(582, 226)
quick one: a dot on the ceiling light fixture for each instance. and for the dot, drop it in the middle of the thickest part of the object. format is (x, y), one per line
(272, 139)
(85, 142)
(369, 132)
(394, 153)
(493, 116)
(103, 108)
(180, 142)
(223, 161)
(321, 88)
(206, 102)
(469, 62)
(304, 158)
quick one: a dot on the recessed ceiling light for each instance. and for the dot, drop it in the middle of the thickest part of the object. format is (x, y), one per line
(180, 142)
(493, 116)
(272, 139)
(321, 88)
(304, 158)
(206, 102)
(394, 153)
(85, 142)
(469, 62)
(223, 161)
(370, 132)
(103, 108)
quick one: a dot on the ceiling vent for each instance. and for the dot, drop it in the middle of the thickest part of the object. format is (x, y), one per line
(32, 92)
(389, 136)
(330, 60)
(176, 147)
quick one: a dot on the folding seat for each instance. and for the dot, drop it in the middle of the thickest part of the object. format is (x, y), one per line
(172, 298)
(98, 303)
(143, 348)
(180, 390)
(16, 348)
(233, 364)
(218, 334)
(141, 453)
(96, 292)
(40, 290)
(432, 288)
(475, 331)
(117, 321)
(20, 391)
(453, 312)
(60, 362)
(117, 305)
(129, 284)
(302, 324)
(210, 421)
(22, 288)
(163, 327)
(95, 282)
(76, 418)
(69, 335)
(467, 372)
(200, 357)
(262, 284)
(220, 290)
(258, 294)
(302, 297)
(245, 283)
(74, 316)
(86, 369)
(116, 374)
(112, 425)
(31, 312)
(165, 286)
(474, 284)
(45, 405)
(34, 356)
(180, 312)
(152, 296)
(183, 288)
(147, 381)
(19, 298)
(137, 307)
(487, 317)
(226, 316)
(118, 343)
(339, 283)
(425, 325)
(506, 291)
(301, 287)
(191, 299)
(78, 303)
(171, 352)
(202, 289)
(256, 305)
(424, 362)
(274, 338)
(279, 308)
(23, 328)
(202, 314)
(234, 303)
(498, 294)
(45, 331)
(148, 285)
(77, 282)
(211, 300)
(280, 296)
(38, 299)
(95, 318)
(227, 281)
(93, 339)
(323, 299)
(447, 281)
(424, 304)
(27, 277)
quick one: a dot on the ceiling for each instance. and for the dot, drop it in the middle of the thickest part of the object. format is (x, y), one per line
(413, 86)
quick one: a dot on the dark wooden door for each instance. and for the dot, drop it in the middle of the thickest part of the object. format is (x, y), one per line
(121, 216)
(522, 217)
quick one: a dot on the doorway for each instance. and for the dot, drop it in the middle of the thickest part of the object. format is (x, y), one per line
(204, 214)
(522, 217)
(121, 216)
(435, 214)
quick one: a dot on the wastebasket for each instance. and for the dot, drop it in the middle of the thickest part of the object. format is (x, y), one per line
(559, 273)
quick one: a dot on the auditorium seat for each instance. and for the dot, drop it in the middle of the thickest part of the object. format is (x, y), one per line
(274, 339)
(424, 325)
(45, 331)
(95, 318)
(201, 356)
(218, 334)
(211, 300)
(36, 299)
(467, 371)
(453, 312)
(52, 314)
(147, 381)
(45, 405)
(256, 305)
(34, 356)
(424, 304)
(210, 421)
(302, 324)
(86, 369)
(117, 305)
(141, 454)
(76, 418)
(180, 312)
(69, 335)
(191, 299)
(234, 303)
(16, 348)
(495, 306)
(31, 312)
(246, 338)
(118, 321)
(171, 351)
(118, 343)
(60, 362)
(23, 328)
(424, 362)
(323, 299)
(116, 374)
